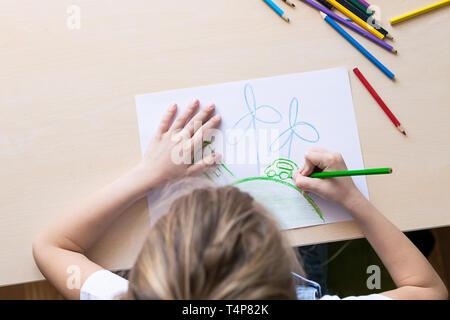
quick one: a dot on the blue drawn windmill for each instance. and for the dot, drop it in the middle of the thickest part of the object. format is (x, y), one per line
(254, 115)
(287, 136)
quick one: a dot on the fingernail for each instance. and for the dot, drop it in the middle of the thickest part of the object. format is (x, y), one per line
(217, 117)
(211, 107)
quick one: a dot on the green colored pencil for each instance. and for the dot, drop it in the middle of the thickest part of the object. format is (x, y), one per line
(365, 172)
(360, 7)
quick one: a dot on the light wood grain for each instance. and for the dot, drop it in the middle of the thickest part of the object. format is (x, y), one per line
(68, 121)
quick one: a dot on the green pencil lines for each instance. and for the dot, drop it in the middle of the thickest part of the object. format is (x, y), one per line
(278, 171)
(208, 143)
(208, 177)
(226, 168)
(308, 198)
(281, 168)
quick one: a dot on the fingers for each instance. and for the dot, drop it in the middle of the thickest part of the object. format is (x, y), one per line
(197, 121)
(181, 120)
(204, 164)
(164, 125)
(322, 159)
(307, 184)
(314, 159)
(197, 139)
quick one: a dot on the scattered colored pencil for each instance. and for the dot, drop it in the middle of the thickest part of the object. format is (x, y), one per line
(360, 7)
(365, 4)
(356, 19)
(289, 2)
(379, 100)
(368, 6)
(356, 44)
(351, 25)
(325, 4)
(277, 9)
(364, 16)
(419, 12)
(350, 6)
(349, 173)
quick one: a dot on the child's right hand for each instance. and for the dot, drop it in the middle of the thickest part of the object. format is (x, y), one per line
(341, 190)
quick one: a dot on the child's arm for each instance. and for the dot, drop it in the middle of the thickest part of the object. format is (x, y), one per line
(410, 270)
(64, 244)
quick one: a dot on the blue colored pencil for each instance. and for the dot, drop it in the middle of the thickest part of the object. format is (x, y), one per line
(277, 9)
(350, 25)
(355, 43)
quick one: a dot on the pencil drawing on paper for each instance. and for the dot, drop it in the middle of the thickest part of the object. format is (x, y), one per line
(293, 130)
(281, 168)
(278, 174)
(217, 172)
(275, 120)
(249, 120)
(301, 130)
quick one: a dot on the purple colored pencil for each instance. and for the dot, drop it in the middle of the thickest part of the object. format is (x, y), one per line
(350, 25)
(364, 3)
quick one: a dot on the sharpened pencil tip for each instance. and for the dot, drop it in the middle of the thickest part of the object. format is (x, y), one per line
(394, 51)
(289, 3)
(323, 14)
(400, 128)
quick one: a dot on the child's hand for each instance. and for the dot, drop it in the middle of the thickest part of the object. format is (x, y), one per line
(341, 190)
(161, 162)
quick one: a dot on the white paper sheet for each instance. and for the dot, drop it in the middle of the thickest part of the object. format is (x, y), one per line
(272, 118)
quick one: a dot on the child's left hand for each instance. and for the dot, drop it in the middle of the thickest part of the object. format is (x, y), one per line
(161, 162)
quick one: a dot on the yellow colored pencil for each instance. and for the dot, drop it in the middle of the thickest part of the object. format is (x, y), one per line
(357, 19)
(419, 12)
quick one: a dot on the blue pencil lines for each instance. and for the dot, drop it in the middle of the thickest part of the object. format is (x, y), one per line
(289, 133)
(269, 115)
(250, 119)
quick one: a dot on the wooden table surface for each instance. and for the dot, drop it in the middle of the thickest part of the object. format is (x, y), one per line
(68, 121)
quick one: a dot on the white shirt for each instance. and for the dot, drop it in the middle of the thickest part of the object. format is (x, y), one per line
(105, 285)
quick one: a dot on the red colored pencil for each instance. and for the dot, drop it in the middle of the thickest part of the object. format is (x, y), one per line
(379, 100)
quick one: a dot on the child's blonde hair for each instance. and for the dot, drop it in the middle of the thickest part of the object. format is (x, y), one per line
(215, 243)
